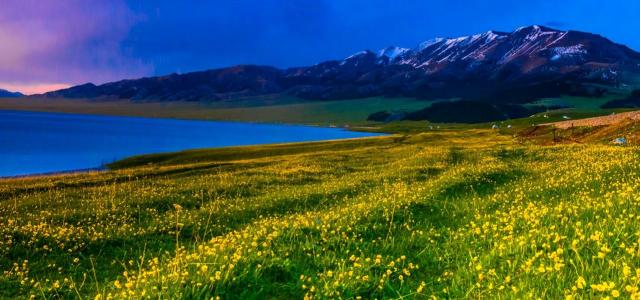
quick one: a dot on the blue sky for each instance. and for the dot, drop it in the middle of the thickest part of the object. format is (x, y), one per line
(65, 42)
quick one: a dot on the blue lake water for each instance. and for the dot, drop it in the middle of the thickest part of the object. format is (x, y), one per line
(36, 142)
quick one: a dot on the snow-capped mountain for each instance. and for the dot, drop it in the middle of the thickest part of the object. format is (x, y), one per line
(526, 63)
(533, 46)
(518, 66)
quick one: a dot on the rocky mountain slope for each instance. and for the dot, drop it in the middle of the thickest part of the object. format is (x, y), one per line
(516, 67)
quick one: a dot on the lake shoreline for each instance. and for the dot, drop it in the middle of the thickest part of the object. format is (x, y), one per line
(341, 113)
(43, 142)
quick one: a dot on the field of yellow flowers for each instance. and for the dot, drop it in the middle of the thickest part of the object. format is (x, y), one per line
(449, 214)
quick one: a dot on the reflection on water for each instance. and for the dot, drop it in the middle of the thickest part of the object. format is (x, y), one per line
(35, 142)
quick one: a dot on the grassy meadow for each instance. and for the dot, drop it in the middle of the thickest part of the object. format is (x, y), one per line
(263, 109)
(463, 213)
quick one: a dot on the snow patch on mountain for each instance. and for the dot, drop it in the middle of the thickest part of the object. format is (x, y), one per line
(354, 56)
(572, 51)
(536, 28)
(359, 53)
(393, 52)
(491, 36)
(451, 49)
(429, 43)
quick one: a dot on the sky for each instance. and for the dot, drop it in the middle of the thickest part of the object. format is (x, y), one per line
(51, 44)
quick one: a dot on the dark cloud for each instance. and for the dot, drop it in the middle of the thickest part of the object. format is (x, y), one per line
(69, 41)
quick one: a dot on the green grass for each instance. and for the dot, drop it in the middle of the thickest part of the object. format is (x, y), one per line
(436, 210)
(517, 125)
(280, 110)
(581, 103)
(276, 109)
(449, 213)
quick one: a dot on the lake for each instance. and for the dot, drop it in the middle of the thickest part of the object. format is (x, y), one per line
(37, 142)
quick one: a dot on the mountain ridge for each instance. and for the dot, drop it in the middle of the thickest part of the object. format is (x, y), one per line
(8, 94)
(516, 67)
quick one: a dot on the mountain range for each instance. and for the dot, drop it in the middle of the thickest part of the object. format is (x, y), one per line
(493, 67)
(8, 94)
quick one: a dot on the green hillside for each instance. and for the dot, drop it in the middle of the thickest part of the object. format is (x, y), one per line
(448, 214)
(337, 112)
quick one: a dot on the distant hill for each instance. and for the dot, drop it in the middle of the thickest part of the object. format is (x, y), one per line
(7, 94)
(633, 101)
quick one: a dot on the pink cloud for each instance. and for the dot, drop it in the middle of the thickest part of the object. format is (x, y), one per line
(33, 88)
(66, 41)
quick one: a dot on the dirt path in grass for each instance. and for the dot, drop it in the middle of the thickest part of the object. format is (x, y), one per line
(597, 121)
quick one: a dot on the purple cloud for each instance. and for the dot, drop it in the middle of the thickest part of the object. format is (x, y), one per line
(66, 41)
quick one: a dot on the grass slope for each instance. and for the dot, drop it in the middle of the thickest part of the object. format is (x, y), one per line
(448, 213)
(250, 110)
(352, 113)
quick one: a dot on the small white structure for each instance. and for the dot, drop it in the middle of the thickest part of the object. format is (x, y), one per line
(566, 117)
(509, 126)
(546, 116)
(620, 141)
(494, 126)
